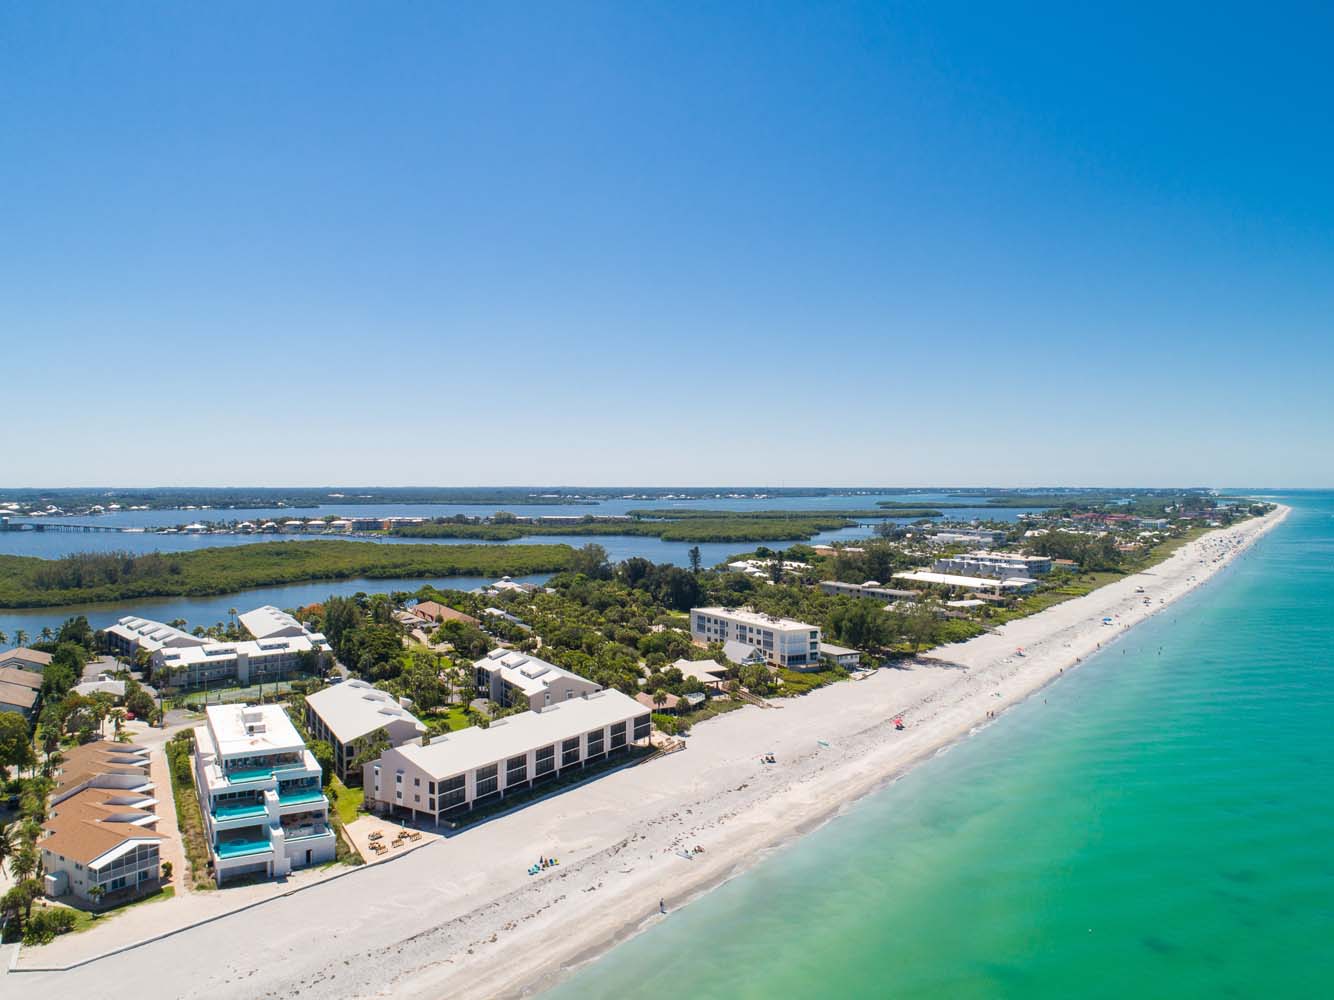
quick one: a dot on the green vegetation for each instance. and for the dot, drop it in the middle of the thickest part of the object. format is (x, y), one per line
(722, 528)
(30, 582)
(886, 508)
(669, 524)
(448, 720)
(189, 817)
(795, 682)
(346, 801)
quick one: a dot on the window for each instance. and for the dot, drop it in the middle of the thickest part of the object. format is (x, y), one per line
(431, 787)
(417, 782)
(516, 770)
(569, 752)
(416, 798)
(488, 781)
(617, 735)
(595, 743)
(642, 726)
(546, 760)
(455, 792)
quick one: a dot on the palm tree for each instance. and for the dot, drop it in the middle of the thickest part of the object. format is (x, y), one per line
(53, 760)
(46, 633)
(659, 698)
(20, 637)
(118, 719)
(23, 865)
(7, 845)
(96, 892)
(4, 639)
(232, 612)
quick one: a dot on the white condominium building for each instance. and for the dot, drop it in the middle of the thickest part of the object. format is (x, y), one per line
(1001, 565)
(345, 713)
(268, 622)
(783, 641)
(968, 536)
(459, 769)
(252, 662)
(259, 791)
(513, 678)
(1019, 584)
(131, 634)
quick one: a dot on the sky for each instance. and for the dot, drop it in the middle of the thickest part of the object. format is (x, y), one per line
(672, 244)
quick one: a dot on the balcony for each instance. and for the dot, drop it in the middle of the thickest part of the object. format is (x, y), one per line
(229, 812)
(239, 847)
(307, 831)
(299, 797)
(249, 775)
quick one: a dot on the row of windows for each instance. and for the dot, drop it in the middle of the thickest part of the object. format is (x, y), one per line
(453, 791)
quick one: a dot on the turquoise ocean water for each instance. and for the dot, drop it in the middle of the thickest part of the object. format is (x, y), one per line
(1159, 823)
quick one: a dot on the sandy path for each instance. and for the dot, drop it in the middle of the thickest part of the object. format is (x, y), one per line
(461, 918)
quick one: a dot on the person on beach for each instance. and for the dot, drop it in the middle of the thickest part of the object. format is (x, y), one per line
(662, 906)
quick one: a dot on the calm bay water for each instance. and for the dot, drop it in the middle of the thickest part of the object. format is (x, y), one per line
(207, 611)
(1160, 825)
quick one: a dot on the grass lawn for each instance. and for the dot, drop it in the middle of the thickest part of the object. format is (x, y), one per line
(346, 801)
(448, 720)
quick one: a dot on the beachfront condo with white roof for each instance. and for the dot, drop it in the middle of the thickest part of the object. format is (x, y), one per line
(240, 663)
(268, 622)
(132, 633)
(782, 641)
(455, 771)
(512, 678)
(344, 713)
(259, 791)
(1001, 565)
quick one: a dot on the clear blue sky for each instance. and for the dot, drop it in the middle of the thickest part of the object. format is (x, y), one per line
(590, 243)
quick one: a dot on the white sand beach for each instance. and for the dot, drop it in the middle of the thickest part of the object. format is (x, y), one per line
(461, 918)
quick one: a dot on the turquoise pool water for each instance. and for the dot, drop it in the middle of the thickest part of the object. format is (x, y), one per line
(257, 774)
(292, 798)
(236, 848)
(1156, 824)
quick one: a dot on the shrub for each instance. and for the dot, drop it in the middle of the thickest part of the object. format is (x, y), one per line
(46, 923)
(665, 723)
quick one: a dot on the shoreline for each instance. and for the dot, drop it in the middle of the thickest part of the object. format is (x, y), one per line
(460, 917)
(553, 971)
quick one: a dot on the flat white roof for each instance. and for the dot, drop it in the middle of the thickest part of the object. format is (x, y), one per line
(354, 708)
(954, 580)
(458, 752)
(755, 618)
(252, 729)
(221, 652)
(270, 621)
(529, 674)
(153, 635)
(829, 649)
